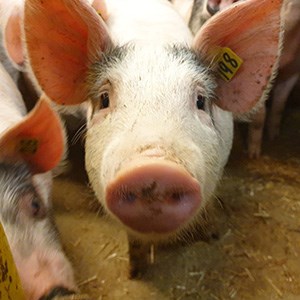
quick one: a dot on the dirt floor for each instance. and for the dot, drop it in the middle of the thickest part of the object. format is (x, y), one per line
(253, 251)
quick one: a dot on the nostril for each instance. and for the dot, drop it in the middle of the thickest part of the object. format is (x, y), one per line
(57, 291)
(176, 197)
(129, 197)
(35, 207)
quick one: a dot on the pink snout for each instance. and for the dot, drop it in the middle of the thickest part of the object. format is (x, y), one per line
(153, 197)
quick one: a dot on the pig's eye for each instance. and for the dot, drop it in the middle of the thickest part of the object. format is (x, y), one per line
(200, 102)
(104, 100)
(35, 207)
(32, 206)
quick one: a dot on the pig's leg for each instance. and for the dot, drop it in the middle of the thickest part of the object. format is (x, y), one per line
(255, 133)
(280, 95)
(139, 256)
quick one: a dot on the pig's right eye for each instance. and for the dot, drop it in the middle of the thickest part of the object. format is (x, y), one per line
(104, 100)
(200, 102)
(32, 206)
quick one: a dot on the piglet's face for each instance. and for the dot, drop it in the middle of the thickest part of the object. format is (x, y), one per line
(163, 114)
(27, 220)
(160, 125)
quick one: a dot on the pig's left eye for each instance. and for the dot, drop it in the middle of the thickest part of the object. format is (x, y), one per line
(200, 102)
(104, 100)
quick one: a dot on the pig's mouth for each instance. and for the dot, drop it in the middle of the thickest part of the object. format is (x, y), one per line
(154, 197)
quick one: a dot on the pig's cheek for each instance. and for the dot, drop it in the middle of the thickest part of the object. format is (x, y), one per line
(205, 119)
(43, 270)
(98, 117)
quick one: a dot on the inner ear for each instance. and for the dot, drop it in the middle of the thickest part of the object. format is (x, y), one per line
(13, 40)
(242, 44)
(63, 38)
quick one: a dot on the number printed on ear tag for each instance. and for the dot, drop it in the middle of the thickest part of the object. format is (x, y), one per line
(28, 146)
(228, 63)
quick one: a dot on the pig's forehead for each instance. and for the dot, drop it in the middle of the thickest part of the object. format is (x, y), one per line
(170, 63)
(14, 172)
(14, 178)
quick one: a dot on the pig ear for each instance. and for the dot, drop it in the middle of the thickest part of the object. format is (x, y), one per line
(13, 40)
(101, 9)
(63, 38)
(38, 139)
(252, 30)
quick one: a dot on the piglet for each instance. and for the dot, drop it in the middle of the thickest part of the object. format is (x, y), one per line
(160, 124)
(30, 146)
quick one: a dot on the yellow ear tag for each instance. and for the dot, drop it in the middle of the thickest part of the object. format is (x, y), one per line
(28, 146)
(10, 284)
(228, 63)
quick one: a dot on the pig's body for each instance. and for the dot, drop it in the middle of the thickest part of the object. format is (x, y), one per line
(25, 207)
(132, 25)
(160, 120)
(289, 68)
(184, 7)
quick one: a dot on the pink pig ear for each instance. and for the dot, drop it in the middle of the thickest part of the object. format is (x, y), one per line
(13, 39)
(63, 38)
(252, 30)
(38, 139)
(101, 9)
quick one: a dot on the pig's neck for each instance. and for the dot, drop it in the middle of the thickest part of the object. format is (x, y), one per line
(146, 21)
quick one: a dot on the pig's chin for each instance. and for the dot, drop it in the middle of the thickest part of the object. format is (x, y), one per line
(154, 198)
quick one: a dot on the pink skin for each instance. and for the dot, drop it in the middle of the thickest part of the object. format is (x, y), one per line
(43, 271)
(153, 196)
(13, 39)
(100, 7)
(255, 133)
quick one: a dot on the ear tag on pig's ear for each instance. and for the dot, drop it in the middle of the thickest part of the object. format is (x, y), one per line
(28, 146)
(228, 63)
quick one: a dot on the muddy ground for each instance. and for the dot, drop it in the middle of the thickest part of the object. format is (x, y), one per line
(254, 246)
